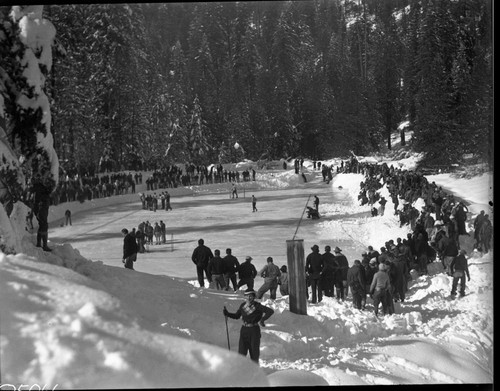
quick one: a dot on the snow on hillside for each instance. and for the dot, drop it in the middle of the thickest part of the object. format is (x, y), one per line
(68, 322)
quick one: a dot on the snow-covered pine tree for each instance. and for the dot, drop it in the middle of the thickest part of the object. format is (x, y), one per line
(25, 136)
(197, 144)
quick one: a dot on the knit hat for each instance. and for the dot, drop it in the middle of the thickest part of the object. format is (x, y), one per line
(250, 291)
(373, 261)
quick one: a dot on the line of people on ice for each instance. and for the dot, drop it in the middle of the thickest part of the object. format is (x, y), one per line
(221, 273)
(81, 188)
(148, 234)
(173, 176)
(155, 201)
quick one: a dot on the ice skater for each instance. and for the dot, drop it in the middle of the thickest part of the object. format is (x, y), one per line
(254, 203)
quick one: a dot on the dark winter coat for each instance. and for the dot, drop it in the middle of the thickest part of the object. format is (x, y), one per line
(356, 279)
(247, 270)
(343, 267)
(201, 255)
(231, 263)
(129, 246)
(216, 265)
(314, 264)
(329, 264)
(448, 247)
(399, 271)
(459, 263)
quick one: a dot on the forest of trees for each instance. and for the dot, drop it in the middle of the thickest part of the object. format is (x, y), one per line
(149, 84)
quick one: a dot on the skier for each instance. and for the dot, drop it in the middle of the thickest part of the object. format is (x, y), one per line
(253, 314)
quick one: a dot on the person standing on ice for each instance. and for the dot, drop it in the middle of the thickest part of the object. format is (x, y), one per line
(129, 249)
(314, 268)
(253, 315)
(459, 268)
(316, 203)
(234, 191)
(254, 204)
(271, 274)
(247, 273)
(201, 255)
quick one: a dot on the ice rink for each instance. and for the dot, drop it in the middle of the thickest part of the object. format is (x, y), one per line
(221, 221)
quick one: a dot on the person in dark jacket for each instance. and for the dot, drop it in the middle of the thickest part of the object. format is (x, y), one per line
(216, 268)
(485, 234)
(478, 222)
(328, 272)
(459, 268)
(253, 314)
(341, 274)
(231, 264)
(316, 203)
(314, 267)
(41, 205)
(201, 256)
(357, 283)
(129, 249)
(461, 216)
(448, 250)
(399, 273)
(247, 273)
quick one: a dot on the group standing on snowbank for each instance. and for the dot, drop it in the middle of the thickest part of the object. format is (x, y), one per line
(384, 275)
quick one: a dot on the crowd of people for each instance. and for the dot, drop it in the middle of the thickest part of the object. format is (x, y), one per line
(174, 176)
(383, 276)
(221, 273)
(82, 188)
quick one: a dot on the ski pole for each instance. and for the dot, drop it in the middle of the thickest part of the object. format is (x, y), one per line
(227, 332)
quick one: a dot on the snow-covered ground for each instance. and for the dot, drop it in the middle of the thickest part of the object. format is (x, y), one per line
(69, 322)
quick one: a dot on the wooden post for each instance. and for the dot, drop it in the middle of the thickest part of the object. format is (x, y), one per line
(172, 242)
(296, 276)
